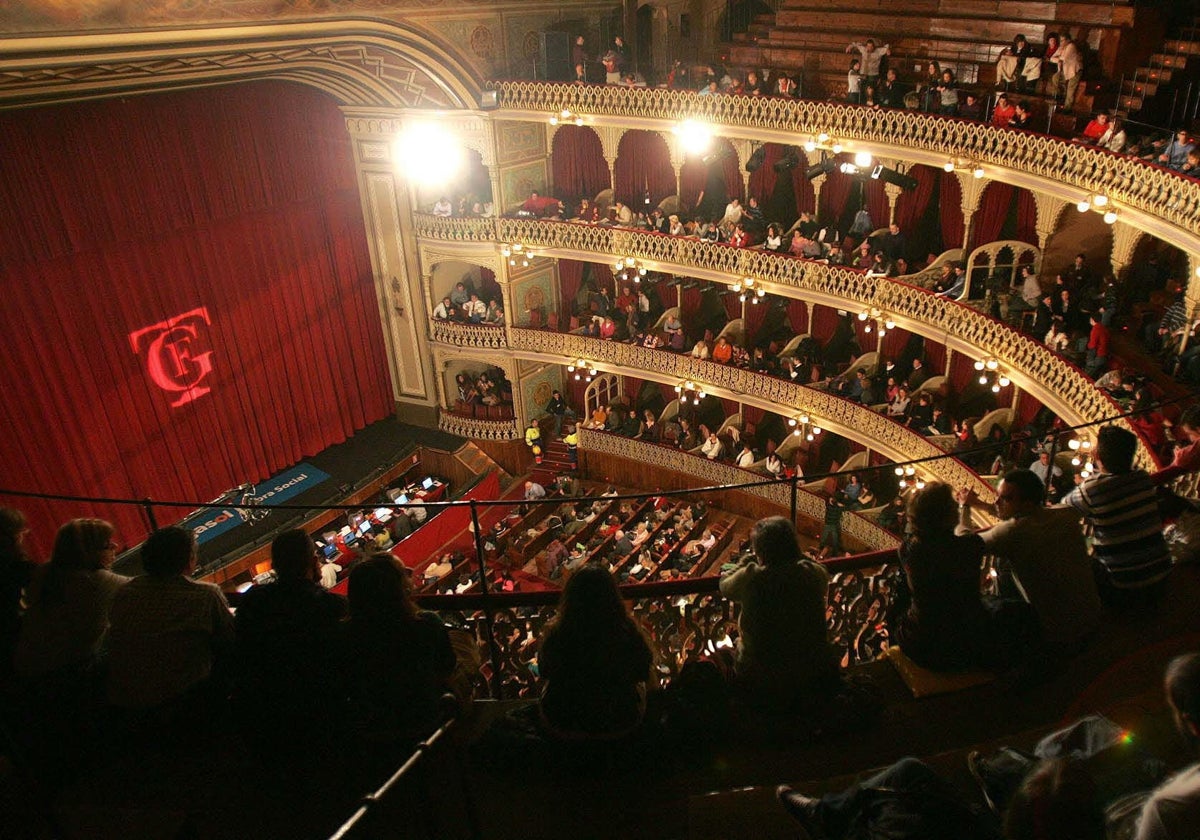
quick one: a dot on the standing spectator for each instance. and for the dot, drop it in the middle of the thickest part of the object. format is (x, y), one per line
(1174, 154)
(854, 83)
(890, 93)
(1070, 68)
(579, 56)
(870, 58)
(1120, 504)
(557, 408)
(782, 656)
(831, 530)
(1013, 62)
(69, 600)
(948, 94)
(1097, 347)
(170, 635)
(594, 660)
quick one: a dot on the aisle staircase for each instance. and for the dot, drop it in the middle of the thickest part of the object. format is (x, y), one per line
(1151, 93)
(556, 460)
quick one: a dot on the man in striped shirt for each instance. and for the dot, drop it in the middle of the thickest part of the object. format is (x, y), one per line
(1119, 502)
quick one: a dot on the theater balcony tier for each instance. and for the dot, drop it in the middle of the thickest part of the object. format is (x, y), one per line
(1052, 380)
(1148, 197)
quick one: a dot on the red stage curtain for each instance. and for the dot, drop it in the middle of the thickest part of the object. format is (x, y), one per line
(993, 210)
(835, 192)
(733, 306)
(756, 313)
(643, 165)
(570, 278)
(693, 175)
(877, 203)
(935, 358)
(950, 210)
(762, 180)
(690, 304)
(731, 169)
(1026, 217)
(893, 343)
(238, 205)
(911, 204)
(579, 168)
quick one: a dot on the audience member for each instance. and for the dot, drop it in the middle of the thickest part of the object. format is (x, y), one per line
(396, 659)
(782, 657)
(171, 636)
(16, 571)
(1172, 811)
(68, 603)
(1127, 540)
(594, 661)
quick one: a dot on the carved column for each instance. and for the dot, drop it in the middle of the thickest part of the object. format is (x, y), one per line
(972, 192)
(814, 158)
(675, 146)
(1125, 241)
(893, 193)
(387, 212)
(503, 280)
(440, 364)
(744, 149)
(1049, 210)
(610, 141)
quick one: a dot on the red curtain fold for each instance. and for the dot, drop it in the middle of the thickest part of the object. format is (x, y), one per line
(235, 207)
(570, 278)
(1026, 217)
(935, 358)
(877, 203)
(911, 204)
(950, 210)
(797, 316)
(763, 179)
(835, 192)
(693, 176)
(756, 313)
(993, 209)
(579, 168)
(489, 289)
(643, 165)
(689, 306)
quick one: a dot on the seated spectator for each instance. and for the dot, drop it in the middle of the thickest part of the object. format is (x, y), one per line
(1059, 585)
(1174, 154)
(67, 604)
(1004, 112)
(1119, 503)
(944, 625)
(723, 351)
(782, 658)
(971, 108)
(396, 659)
(594, 662)
(774, 238)
(1172, 810)
(712, 448)
(746, 457)
(1021, 118)
(1096, 128)
(947, 94)
(16, 571)
(700, 351)
(1186, 457)
(774, 465)
(442, 207)
(285, 632)
(534, 491)
(170, 636)
(443, 311)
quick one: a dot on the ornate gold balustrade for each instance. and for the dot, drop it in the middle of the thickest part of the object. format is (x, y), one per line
(1058, 384)
(847, 418)
(470, 427)
(712, 473)
(1162, 202)
(482, 336)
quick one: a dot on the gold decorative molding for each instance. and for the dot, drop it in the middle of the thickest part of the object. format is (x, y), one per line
(362, 63)
(482, 336)
(1058, 384)
(1049, 211)
(715, 473)
(1154, 199)
(469, 427)
(850, 419)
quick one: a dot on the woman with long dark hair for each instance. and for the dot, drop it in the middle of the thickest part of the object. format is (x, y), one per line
(594, 660)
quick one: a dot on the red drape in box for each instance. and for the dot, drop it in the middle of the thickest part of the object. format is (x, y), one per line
(693, 175)
(1026, 217)
(798, 316)
(835, 192)
(911, 204)
(756, 313)
(579, 168)
(570, 278)
(209, 238)
(950, 210)
(643, 165)
(993, 210)
(877, 203)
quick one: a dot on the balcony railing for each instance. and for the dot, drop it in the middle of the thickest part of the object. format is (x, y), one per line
(1128, 181)
(1051, 378)
(472, 428)
(718, 473)
(483, 336)
(851, 418)
(682, 619)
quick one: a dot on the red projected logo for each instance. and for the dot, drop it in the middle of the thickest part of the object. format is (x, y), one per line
(175, 358)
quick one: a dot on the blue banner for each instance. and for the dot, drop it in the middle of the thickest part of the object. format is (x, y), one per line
(213, 522)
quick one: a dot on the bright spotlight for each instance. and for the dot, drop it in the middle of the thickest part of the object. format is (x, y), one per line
(427, 153)
(862, 159)
(695, 136)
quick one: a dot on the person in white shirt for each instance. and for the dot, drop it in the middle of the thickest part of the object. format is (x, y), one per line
(712, 448)
(1173, 811)
(329, 574)
(746, 457)
(442, 207)
(417, 514)
(476, 310)
(441, 312)
(733, 215)
(774, 465)
(870, 58)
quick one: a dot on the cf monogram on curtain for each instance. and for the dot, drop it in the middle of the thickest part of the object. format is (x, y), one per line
(176, 356)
